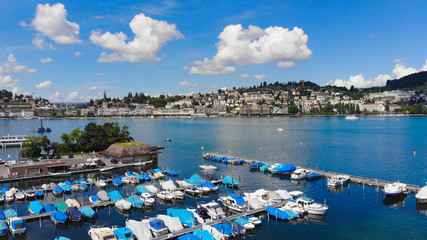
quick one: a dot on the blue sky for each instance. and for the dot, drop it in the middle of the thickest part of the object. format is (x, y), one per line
(74, 50)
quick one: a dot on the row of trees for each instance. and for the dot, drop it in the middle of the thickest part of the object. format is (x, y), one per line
(93, 138)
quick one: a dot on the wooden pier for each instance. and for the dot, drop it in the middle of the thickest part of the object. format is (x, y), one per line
(364, 181)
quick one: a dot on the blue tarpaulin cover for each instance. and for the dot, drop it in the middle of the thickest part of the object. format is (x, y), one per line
(73, 213)
(39, 193)
(19, 224)
(67, 182)
(224, 228)
(62, 238)
(87, 211)
(195, 180)
(2, 217)
(117, 181)
(235, 226)
(291, 213)
(203, 234)
(83, 185)
(66, 188)
(94, 198)
(277, 213)
(4, 190)
(157, 224)
(49, 207)
(58, 190)
(287, 169)
(142, 189)
(231, 181)
(172, 173)
(82, 180)
(123, 233)
(115, 195)
(186, 217)
(144, 177)
(9, 213)
(188, 236)
(242, 221)
(135, 201)
(257, 165)
(60, 216)
(3, 227)
(239, 199)
(76, 182)
(265, 167)
(158, 170)
(36, 207)
(207, 184)
(314, 175)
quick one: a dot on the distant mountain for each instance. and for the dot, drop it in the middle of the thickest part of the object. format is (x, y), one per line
(409, 82)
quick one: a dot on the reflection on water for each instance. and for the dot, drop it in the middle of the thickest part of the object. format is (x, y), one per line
(421, 208)
(394, 201)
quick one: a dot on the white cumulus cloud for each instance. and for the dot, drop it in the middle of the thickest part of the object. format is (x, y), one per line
(44, 85)
(78, 54)
(46, 60)
(54, 97)
(150, 36)
(286, 64)
(7, 81)
(93, 88)
(259, 76)
(51, 21)
(12, 66)
(254, 46)
(243, 76)
(359, 81)
(72, 95)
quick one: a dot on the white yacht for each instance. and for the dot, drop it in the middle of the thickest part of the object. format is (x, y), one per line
(338, 180)
(300, 173)
(307, 204)
(395, 189)
(234, 202)
(422, 195)
(214, 209)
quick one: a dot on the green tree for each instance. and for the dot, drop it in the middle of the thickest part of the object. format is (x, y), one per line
(34, 146)
(293, 109)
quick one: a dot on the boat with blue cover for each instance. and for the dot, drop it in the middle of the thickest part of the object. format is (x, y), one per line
(115, 195)
(39, 194)
(291, 214)
(60, 206)
(256, 166)
(209, 185)
(264, 168)
(2, 217)
(10, 213)
(245, 223)
(287, 169)
(237, 228)
(136, 201)
(252, 219)
(144, 177)
(203, 234)
(74, 214)
(83, 186)
(59, 217)
(142, 189)
(231, 182)
(82, 180)
(87, 212)
(172, 173)
(94, 199)
(276, 168)
(195, 180)
(67, 189)
(35, 207)
(185, 216)
(225, 229)
(188, 236)
(130, 173)
(234, 202)
(68, 183)
(76, 182)
(313, 176)
(157, 226)
(57, 191)
(49, 207)
(16, 226)
(277, 213)
(117, 182)
(4, 229)
(123, 233)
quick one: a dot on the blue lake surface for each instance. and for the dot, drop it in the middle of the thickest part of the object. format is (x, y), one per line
(375, 147)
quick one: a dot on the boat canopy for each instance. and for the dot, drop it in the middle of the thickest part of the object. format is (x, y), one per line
(57, 189)
(36, 207)
(135, 201)
(62, 238)
(39, 193)
(10, 213)
(184, 184)
(172, 223)
(142, 189)
(66, 188)
(87, 211)
(265, 167)
(60, 216)
(283, 194)
(2, 217)
(61, 206)
(291, 214)
(422, 194)
(186, 217)
(158, 170)
(144, 177)
(314, 175)
(195, 180)
(117, 181)
(4, 190)
(253, 202)
(139, 229)
(49, 207)
(82, 180)
(73, 213)
(242, 221)
(203, 234)
(277, 213)
(17, 223)
(83, 185)
(103, 196)
(237, 228)
(231, 181)
(257, 165)
(72, 203)
(123, 233)
(152, 189)
(67, 182)
(172, 173)
(224, 228)
(76, 182)
(94, 198)
(168, 185)
(115, 195)
(210, 177)
(239, 199)
(188, 236)
(207, 184)
(274, 196)
(287, 168)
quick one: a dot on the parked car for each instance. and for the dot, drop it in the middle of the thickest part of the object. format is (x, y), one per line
(70, 156)
(114, 161)
(101, 163)
(57, 156)
(10, 162)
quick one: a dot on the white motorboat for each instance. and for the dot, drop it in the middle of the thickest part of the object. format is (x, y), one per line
(20, 196)
(148, 200)
(192, 191)
(351, 117)
(152, 189)
(338, 180)
(100, 184)
(101, 233)
(217, 234)
(300, 173)
(75, 188)
(157, 226)
(311, 207)
(254, 220)
(16, 225)
(203, 189)
(214, 209)
(177, 194)
(106, 169)
(72, 203)
(139, 229)
(201, 215)
(272, 168)
(126, 180)
(90, 181)
(123, 205)
(9, 196)
(30, 195)
(293, 206)
(207, 167)
(395, 189)
(133, 179)
(422, 195)
(234, 202)
(163, 195)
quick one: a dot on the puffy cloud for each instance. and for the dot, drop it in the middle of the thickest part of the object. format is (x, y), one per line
(150, 36)
(46, 60)
(54, 97)
(78, 54)
(93, 88)
(44, 85)
(359, 81)
(40, 43)
(16, 90)
(286, 64)
(100, 74)
(254, 46)
(51, 21)
(259, 76)
(243, 76)
(12, 66)
(7, 81)
(72, 95)
(188, 84)
(211, 87)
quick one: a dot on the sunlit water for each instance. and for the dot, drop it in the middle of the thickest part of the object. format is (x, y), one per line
(376, 147)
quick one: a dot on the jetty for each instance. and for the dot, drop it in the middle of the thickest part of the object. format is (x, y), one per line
(12, 140)
(364, 181)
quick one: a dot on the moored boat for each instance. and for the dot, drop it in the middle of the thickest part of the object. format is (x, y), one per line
(16, 226)
(234, 202)
(231, 182)
(395, 189)
(422, 195)
(300, 173)
(338, 180)
(59, 217)
(101, 233)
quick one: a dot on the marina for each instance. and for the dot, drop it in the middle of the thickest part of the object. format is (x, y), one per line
(12, 141)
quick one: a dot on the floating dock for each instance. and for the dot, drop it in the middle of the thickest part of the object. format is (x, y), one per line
(364, 181)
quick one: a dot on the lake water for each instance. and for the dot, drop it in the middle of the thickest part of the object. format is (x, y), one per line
(376, 147)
